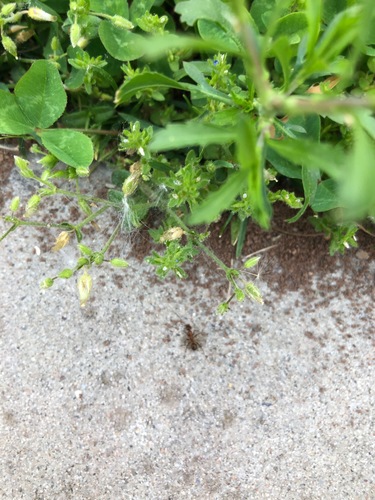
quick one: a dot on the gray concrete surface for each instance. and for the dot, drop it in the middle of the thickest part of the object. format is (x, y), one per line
(106, 403)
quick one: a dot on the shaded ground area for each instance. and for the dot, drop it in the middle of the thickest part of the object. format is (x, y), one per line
(106, 401)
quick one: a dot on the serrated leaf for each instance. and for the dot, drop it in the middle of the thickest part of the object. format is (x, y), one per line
(40, 94)
(69, 146)
(12, 120)
(120, 43)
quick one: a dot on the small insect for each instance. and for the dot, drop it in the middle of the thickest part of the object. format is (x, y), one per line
(191, 338)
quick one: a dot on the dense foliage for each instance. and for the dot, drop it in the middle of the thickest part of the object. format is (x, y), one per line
(201, 108)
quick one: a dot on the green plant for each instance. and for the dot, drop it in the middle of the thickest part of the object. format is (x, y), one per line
(213, 104)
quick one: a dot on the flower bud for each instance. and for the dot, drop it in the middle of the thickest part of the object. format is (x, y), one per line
(47, 283)
(75, 34)
(83, 171)
(61, 241)
(9, 45)
(66, 274)
(121, 22)
(174, 233)
(40, 15)
(119, 263)
(84, 285)
(8, 9)
(253, 292)
(32, 205)
(253, 261)
(23, 166)
(55, 44)
(14, 204)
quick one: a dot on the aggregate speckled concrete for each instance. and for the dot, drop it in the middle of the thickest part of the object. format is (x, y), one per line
(105, 402)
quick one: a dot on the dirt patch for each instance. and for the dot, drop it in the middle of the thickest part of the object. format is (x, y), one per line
(298, 255)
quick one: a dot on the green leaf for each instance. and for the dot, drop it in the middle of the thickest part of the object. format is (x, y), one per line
(176, 136)
(12, 120)
(213, 10)
(358, 187)
(210, 30)
(310, 178)
(330, 159)
(251, 159)
(143, 82)
(120, 43)
(342, 31)
(40, 94)
(138, 8)
(218, 201)
(326, 197)
(293, 26)
(313, 14)
(110, 7)
(69, 146)
(196, 75)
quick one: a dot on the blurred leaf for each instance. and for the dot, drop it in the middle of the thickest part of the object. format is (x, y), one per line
(251, 160)
(313, 14)
(358, 187)
(176, 136)
(310, 178)
(218, 201)
(330, 159)
(293, 26)
(213, 10)
(196, 75)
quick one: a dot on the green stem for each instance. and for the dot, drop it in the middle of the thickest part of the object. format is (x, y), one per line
(11, 229)
(111, 239)
(91, 217)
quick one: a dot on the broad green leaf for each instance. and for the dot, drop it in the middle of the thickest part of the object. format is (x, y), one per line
(143, 82)
(358, 187)
(111, 7)
(138, 8)
(12, 120)
(259, 10)
(213, 10)
(218, 201)
(326, 197)
(69, 146)
(251, 159)
(40, 94)
(176, 136)
(210, 30)
(330, 159)
(120, 43)
(282, 165)
(293, 26)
